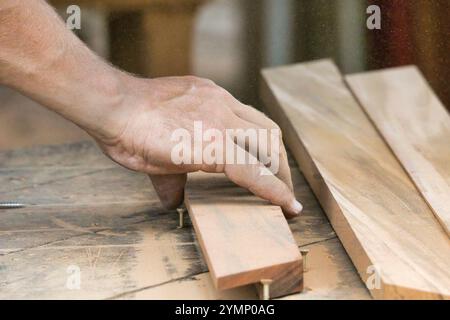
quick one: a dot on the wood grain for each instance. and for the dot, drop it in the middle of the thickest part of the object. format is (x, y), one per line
(384, 224)
(416, 126)
(243, 238)
(140, 253)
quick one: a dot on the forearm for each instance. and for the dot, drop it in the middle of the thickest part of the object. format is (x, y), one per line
(44, 60)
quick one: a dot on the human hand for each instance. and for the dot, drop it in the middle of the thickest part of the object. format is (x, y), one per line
(134, 120)
(140, 137)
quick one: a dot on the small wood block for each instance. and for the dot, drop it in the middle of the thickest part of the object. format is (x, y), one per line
(244, 239)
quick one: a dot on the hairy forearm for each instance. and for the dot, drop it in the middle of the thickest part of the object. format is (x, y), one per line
(44, 60)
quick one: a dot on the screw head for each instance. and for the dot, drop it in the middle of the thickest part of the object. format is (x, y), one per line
(266, 281)
(304, 252)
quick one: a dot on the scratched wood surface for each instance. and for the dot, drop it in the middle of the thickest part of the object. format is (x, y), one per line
(87, 212)
(383, 222)
(416, 126)
(244, 239)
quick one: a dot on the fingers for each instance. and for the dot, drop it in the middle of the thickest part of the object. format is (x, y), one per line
(260, 181)
(251, 174)
(170, 188)
(252, 118)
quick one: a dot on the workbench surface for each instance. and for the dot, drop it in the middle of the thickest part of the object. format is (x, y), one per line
(95, 230)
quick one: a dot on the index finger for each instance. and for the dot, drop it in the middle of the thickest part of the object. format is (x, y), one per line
(255, 177)
(251, 115)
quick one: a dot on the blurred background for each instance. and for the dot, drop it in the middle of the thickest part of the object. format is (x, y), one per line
(229, 41)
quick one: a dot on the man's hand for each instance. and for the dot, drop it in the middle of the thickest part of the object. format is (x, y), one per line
(151, 110)
(133, 119)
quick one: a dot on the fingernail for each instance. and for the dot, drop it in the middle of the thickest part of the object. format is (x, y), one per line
(297, 207)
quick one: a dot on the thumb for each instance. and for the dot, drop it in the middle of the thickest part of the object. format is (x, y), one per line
(170, 188)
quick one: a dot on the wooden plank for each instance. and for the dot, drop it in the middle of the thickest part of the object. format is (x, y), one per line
(140, 253)
(243, 238)
(330, 275)
(395, 243)
(416, 126)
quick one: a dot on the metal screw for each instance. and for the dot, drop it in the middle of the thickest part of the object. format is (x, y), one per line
(11, 205)
(266, 288)
(304, 253)
(181, 217)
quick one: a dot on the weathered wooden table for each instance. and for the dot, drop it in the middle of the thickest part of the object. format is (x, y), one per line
(95, 230)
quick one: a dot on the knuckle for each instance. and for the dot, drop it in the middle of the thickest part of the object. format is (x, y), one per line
(275, 129)
(203, 82)
(200, 83)
(273, 125)
(193, 79)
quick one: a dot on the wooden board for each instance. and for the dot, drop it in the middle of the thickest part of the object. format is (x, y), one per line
(330, 275)
(392, 237)
(110, 223)
(243, 238)
(84, 211)
(416, 126)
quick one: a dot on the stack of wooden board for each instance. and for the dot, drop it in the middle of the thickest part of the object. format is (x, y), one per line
(395, 242)
(399, 244)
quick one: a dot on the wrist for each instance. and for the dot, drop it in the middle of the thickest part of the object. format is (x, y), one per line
(105, 106)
